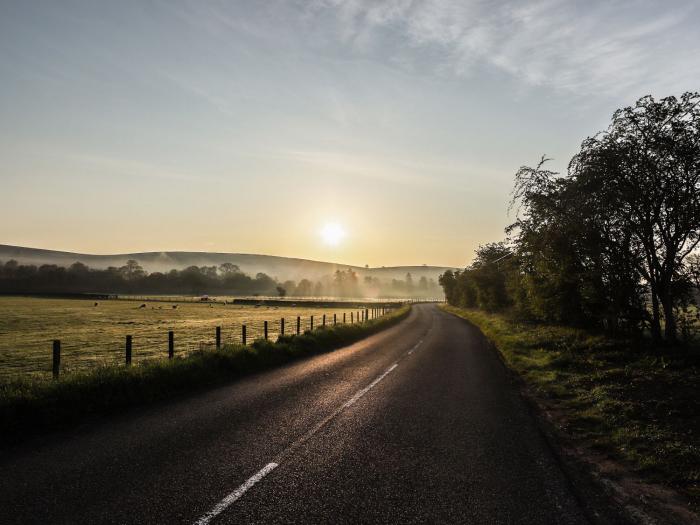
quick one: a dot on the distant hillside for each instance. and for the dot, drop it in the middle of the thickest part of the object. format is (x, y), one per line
(281, 268)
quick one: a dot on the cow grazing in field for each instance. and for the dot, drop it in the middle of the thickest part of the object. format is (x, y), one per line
(143, 305)
(174, 307)
(96, 304)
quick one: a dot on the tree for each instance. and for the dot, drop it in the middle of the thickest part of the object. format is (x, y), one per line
(693, 271)
(448, 281)
(409, 283)
(78, 278)
(79, 268)
(264, 283)
(423, 284)
(304, 288)
(228, 269)
(490, 274)
(289, 287)
(193, 280)
(132, 270)
(647, 165)
(575, 261)
(346, 284)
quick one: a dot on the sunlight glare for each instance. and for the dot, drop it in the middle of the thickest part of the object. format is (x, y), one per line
(332, 234)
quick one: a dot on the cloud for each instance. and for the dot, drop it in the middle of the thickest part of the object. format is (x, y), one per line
(609, 48)
(405, 170)
(125, 167)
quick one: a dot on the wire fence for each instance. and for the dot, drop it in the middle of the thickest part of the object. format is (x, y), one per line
(138, 348)
(270, 299)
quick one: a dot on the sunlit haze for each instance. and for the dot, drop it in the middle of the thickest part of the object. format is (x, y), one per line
(244, 126)
(333, 234)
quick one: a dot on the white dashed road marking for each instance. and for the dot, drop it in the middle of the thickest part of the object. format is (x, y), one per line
(231, 498)
(236, 494)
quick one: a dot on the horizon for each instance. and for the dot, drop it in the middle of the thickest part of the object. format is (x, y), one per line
(366, 132)
(150, 252)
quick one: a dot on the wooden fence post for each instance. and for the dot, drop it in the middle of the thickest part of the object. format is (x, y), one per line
(352, 318)
(312, 323)
(243, 335)
(324, 319)
(265, 328)
(56, 357)
(334, 319)
(218, 337)
(282, 326)
(298, 324)
(343, 317)
(128, 350)
(171, 344)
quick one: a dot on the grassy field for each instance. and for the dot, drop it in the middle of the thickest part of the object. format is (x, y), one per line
(95, 335)
(621, 399)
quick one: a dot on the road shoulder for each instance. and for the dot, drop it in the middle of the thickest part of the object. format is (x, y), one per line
(612, 492)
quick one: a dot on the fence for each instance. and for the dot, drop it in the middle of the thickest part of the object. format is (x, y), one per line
(271, 300)
(243, 334)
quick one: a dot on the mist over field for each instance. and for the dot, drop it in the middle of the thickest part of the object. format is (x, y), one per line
(29, 270)
(282, 268)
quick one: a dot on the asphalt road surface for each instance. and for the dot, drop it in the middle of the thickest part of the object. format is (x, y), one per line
(418, 424)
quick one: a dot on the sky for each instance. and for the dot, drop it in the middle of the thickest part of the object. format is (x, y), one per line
(261, 126)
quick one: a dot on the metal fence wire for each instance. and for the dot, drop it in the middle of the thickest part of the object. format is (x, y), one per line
(67, 357)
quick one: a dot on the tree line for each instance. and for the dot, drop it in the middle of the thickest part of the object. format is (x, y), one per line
(613, 243)
(226, 278)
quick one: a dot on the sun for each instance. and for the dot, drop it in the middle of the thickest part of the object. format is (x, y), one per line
(332, 233)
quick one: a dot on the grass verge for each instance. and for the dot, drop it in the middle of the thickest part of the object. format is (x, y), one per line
(617, 397)
(29, 406)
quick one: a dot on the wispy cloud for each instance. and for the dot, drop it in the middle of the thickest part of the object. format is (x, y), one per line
(405, 170)
(610, 47)
(123, 167)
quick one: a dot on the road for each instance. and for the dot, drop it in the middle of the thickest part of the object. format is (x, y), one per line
(418, 424)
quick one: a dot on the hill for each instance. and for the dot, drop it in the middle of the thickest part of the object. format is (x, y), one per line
(281, 268)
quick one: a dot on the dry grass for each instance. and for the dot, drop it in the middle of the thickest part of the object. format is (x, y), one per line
(95, 336)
